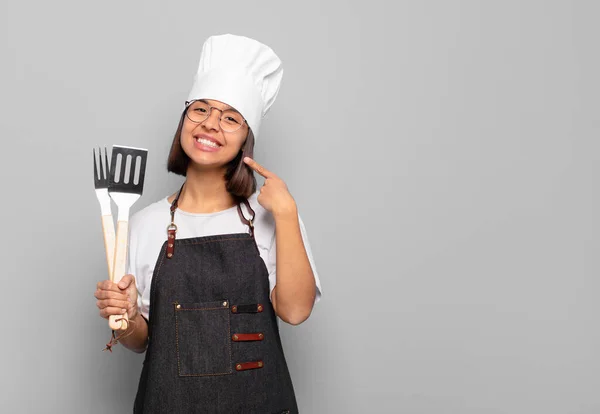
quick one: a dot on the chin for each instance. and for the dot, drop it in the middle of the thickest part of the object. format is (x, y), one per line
(209, 160)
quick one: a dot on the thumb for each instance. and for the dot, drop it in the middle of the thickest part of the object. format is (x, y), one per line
(126, 281)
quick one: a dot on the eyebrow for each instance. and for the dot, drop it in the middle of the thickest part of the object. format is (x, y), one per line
(229, 108)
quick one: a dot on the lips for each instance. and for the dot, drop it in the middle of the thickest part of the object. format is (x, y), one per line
(206, 143)
(208, 140)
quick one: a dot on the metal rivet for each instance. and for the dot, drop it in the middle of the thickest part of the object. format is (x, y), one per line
(238, 367)
(170, 244)
(224, 303)
(260, 336)
(260, 364)
(171, 236)
(169, 254)
(235, 337)
(234, 309)
(178, 306)
(260, 308)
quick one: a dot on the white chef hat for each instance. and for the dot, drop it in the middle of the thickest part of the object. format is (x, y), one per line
(240, 72)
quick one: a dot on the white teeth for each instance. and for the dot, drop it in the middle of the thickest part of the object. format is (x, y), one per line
(207, 142)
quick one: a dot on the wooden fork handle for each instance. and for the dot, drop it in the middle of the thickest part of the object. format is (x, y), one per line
(108, 229)
(120, 261)
(118, 322)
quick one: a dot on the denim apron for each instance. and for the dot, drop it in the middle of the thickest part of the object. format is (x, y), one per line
(214, 344)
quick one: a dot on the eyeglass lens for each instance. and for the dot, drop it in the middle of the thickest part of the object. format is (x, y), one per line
(230, 120)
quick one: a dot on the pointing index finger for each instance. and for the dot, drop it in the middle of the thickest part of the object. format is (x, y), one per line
(258, 168)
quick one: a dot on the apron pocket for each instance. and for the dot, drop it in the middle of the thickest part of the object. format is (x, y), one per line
(203, 338)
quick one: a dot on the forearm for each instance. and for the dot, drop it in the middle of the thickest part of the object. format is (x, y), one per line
(295, 286)
(136, 336)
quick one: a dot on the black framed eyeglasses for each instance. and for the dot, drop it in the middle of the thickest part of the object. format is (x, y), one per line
(198, 111)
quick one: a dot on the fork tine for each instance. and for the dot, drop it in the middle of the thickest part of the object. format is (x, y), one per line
(100, 164)
(95, 168)
(105, 165)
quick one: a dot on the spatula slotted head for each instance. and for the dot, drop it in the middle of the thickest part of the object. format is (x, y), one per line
(127, 170)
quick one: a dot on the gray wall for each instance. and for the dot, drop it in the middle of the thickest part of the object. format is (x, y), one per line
(442, 154)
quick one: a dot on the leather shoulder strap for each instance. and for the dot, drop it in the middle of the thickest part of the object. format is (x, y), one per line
(249, 222)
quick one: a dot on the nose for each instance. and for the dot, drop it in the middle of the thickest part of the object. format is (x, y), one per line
(213, 120)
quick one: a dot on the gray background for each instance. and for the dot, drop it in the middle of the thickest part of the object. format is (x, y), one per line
(442, 154)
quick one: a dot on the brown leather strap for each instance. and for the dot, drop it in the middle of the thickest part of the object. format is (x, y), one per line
(175, 203)
(245, 337)
(243, 366)
(172, 228)
(252, 308)
(248, 222)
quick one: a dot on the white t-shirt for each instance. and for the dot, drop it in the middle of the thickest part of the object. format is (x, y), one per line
(148, 232)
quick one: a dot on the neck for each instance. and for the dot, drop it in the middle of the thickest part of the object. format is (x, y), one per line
(205, 192)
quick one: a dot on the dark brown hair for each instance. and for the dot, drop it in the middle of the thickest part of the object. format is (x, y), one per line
(240, 178)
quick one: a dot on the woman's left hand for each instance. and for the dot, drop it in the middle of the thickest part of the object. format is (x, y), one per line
(274, 195)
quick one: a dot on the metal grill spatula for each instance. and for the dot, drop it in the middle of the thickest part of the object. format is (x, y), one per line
(127, 171)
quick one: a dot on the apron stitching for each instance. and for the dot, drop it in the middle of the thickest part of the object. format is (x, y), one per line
(177, 341)
(228, 343)
(154, 281)
(162, 259)
(229, 340)
(205, 375)
(211, 241)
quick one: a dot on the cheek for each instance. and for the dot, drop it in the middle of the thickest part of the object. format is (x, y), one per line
(185, 138)
(239, 144)
(188, 127)
(238, 140)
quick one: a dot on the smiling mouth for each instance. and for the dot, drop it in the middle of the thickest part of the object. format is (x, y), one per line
(207, 142)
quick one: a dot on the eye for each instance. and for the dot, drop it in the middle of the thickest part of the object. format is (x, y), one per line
(231, 120)
(201, 110)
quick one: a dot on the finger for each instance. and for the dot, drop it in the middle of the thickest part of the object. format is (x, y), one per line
(132, 294)
(259, 168)
(113, 303)
(126, 281)
(107, 312)
(272, 180)
(108, 294)
(107, 285)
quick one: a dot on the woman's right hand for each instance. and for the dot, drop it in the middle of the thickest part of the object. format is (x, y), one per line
(117, 298)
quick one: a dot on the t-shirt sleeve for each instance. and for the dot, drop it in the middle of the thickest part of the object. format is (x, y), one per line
(131, 260)
(272, 261)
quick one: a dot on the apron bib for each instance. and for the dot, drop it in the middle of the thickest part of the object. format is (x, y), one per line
(214, 344)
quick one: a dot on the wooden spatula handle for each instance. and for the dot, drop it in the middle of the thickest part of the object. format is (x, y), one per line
(120, 262)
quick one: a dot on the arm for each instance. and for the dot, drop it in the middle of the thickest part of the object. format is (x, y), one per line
(294, 295)
(136, 336)
(115, 299)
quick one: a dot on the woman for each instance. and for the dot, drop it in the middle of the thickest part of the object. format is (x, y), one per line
(212, 285)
